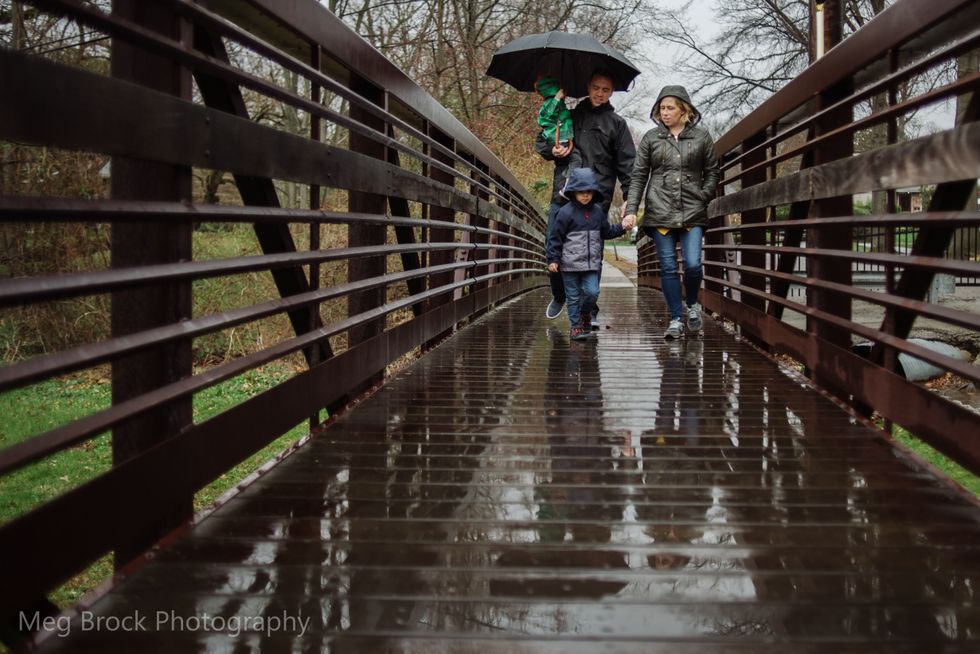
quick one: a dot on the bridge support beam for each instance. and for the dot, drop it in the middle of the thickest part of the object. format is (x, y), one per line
(361, 268)
(141, 244)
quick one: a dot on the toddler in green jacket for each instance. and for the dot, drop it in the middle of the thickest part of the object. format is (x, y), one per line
(554, 117)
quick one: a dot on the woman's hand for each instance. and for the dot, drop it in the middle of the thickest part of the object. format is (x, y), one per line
(553, 267)
(629, 222)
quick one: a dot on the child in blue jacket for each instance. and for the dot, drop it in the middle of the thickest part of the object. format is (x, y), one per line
(575, 247)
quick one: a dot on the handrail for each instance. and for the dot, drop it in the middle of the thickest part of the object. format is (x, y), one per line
(786, 248)
(894, 26)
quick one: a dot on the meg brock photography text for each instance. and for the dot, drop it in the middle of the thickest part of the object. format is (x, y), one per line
(139, 621)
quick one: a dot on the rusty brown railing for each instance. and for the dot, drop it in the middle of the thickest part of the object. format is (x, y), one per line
(785, 218)
(423, 193)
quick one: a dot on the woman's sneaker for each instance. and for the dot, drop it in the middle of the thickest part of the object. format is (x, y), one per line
(694, 317)
(675, 329)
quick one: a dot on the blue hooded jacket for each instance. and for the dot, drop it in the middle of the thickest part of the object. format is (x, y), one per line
(576, 239)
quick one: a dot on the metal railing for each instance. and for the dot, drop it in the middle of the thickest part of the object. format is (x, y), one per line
(785, 218)
(422, 192)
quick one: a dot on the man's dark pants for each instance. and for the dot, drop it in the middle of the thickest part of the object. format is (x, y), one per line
(557, 283)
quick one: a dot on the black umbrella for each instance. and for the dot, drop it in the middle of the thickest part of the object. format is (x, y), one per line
(571, 58)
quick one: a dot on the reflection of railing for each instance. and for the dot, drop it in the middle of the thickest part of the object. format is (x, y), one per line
(790, 176)
(437, 230)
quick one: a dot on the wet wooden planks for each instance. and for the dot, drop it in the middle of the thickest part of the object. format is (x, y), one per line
(517, 492)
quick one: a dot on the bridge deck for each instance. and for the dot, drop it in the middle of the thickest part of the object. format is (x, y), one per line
(516, 492)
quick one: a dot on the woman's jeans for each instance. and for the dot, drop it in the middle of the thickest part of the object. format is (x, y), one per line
(670, 280)
(581, 294)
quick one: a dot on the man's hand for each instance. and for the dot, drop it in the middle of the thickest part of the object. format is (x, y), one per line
(629, 222)
(552, 267)
(561, 151)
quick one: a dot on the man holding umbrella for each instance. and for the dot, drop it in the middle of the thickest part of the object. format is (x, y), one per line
(584, 67)
(603, 143)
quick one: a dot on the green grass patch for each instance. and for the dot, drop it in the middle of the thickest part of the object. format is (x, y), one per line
(39, 408)
(44, 406)
(950, 468)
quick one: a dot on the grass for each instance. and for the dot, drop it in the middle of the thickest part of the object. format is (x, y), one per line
(950, 468)
(36, 409)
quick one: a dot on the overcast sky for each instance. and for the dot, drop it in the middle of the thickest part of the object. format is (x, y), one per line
(635, 104)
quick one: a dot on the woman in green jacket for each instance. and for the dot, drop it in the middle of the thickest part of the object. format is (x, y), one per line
(676, 164)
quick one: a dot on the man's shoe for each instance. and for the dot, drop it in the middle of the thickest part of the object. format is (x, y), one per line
(579, 334)
(554, 309)
(694, 317)
(593, 324)
(675, 329)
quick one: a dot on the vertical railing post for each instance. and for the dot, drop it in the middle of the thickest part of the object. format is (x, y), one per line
(754, 237)
(440, 234)
(480, 221)
(359, 235)
(140, 244)
(838, 237)
(313, 355)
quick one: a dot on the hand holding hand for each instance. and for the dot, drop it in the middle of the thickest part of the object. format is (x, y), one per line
(553, 267)
(629, 222)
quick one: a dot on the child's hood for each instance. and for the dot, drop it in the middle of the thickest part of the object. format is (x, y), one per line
(547, 87)
(582, 179)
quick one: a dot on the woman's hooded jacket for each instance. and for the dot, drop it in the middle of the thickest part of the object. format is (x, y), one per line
(575, 242)
(679, 175)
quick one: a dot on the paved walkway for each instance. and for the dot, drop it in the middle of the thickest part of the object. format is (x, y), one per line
(514, 492)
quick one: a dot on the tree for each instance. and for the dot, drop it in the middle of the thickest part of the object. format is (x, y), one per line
(759, 47)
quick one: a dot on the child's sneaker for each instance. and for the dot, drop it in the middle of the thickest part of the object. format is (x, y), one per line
(579, 334)
(694, 317)
(675, 329)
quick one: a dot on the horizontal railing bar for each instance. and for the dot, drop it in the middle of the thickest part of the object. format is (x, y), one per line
(313, 24)
(37, 209)
(155, 42)
(966, 370)
(45, 366)
(951, 155)
(163, 128)
(938, 312)
(54, 440)
(257, 45)
(945, 218)
(892, 27)
(905, 261)
(956, 48)
(34, 209)
(37, 289)
(864, 123)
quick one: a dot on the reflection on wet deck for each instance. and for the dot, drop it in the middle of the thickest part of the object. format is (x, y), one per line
(517, 492)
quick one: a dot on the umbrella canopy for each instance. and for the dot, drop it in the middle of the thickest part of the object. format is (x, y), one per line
(571, 58)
